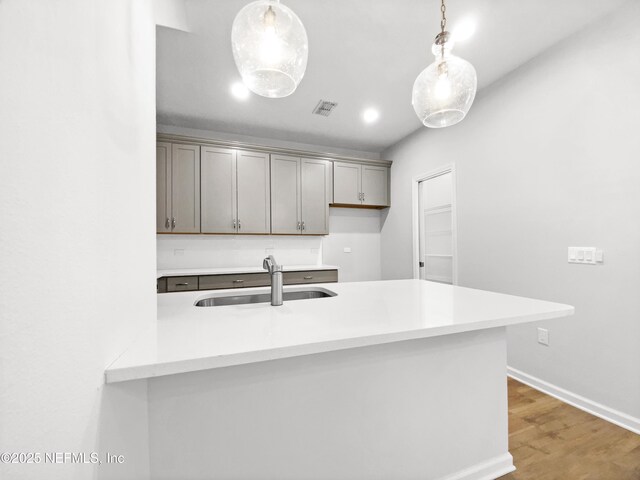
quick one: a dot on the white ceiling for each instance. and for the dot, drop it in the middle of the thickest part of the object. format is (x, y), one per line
(362, 53)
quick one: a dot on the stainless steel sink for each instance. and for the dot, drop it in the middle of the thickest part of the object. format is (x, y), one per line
(264, 297)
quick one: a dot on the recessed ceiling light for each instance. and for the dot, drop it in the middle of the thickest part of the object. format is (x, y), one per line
(370, 115)
(464, 30)
(240, 91)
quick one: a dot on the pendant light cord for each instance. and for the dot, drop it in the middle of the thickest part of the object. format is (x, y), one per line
(443, 23)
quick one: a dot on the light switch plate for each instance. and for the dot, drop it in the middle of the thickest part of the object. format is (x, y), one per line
(347, 249)
(587, 255)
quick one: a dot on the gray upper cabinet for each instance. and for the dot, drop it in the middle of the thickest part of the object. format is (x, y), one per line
(300, 195)
(177, 188)
(375, 185)
(360, 185)
(347, 183)
(235, 191)
(315, 181)
(285, 195)
(254, 192)
(163, 187)
(185, 188)
(218, 190)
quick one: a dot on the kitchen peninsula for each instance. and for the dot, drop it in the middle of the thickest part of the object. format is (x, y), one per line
(390, 379)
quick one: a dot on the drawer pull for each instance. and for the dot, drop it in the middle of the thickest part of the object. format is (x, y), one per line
(238, 281)
(182, 284)
(308, 278)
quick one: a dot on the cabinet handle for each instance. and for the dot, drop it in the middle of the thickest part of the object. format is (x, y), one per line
(308, 278)
(239, 225)
(238, 281)
(363, 196)
(167, 224)
(182, 284)
(173, 223)
(302, 225)
(234, 224)
(298, 226)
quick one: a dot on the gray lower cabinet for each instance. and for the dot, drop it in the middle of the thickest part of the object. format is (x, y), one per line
(182, 284)
(314, 276)
(242, 280)
(177, 188)
(300, 195)
(235, 191)
(360, 185)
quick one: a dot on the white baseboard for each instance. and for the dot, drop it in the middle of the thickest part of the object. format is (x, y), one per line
(489, 470)
(609, 414)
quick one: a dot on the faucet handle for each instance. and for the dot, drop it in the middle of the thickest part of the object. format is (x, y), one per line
(270, 264)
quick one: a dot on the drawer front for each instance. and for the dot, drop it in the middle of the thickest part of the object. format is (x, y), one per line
(217, 282)
(310, 276)
(182, 284)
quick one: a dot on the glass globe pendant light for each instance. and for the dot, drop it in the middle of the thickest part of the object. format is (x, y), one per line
(270, 48)
(444, 91)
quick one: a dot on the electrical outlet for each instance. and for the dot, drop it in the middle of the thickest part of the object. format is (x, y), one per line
(347, 249)
(543, 336)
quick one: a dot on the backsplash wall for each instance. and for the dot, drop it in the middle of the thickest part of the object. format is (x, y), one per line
(354, 230)
(203, 251)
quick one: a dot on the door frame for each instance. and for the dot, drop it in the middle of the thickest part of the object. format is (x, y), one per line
(415, 216)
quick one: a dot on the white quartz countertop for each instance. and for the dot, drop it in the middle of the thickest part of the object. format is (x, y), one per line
(187, 338)
(180, 272)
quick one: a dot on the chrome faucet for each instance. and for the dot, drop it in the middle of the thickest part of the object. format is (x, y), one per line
(275, 270)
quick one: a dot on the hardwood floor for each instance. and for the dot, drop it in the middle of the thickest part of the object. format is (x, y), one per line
(550, 440)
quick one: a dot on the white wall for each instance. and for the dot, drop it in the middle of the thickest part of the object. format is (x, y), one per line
(77, 242)
(549, 158)
(358, 230)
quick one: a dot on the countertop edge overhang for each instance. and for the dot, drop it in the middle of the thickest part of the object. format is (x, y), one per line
(124, 369)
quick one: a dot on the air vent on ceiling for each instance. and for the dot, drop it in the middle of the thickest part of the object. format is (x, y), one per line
(324, 108)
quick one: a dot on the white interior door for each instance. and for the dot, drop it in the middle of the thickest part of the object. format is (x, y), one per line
(436, 228)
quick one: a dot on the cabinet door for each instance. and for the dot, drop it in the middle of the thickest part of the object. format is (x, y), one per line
(163, 187)
(254, 199)
(375, 185)
(218, 190)
(185, 188)
(347, 183)
(285, 194)
(315, 189)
